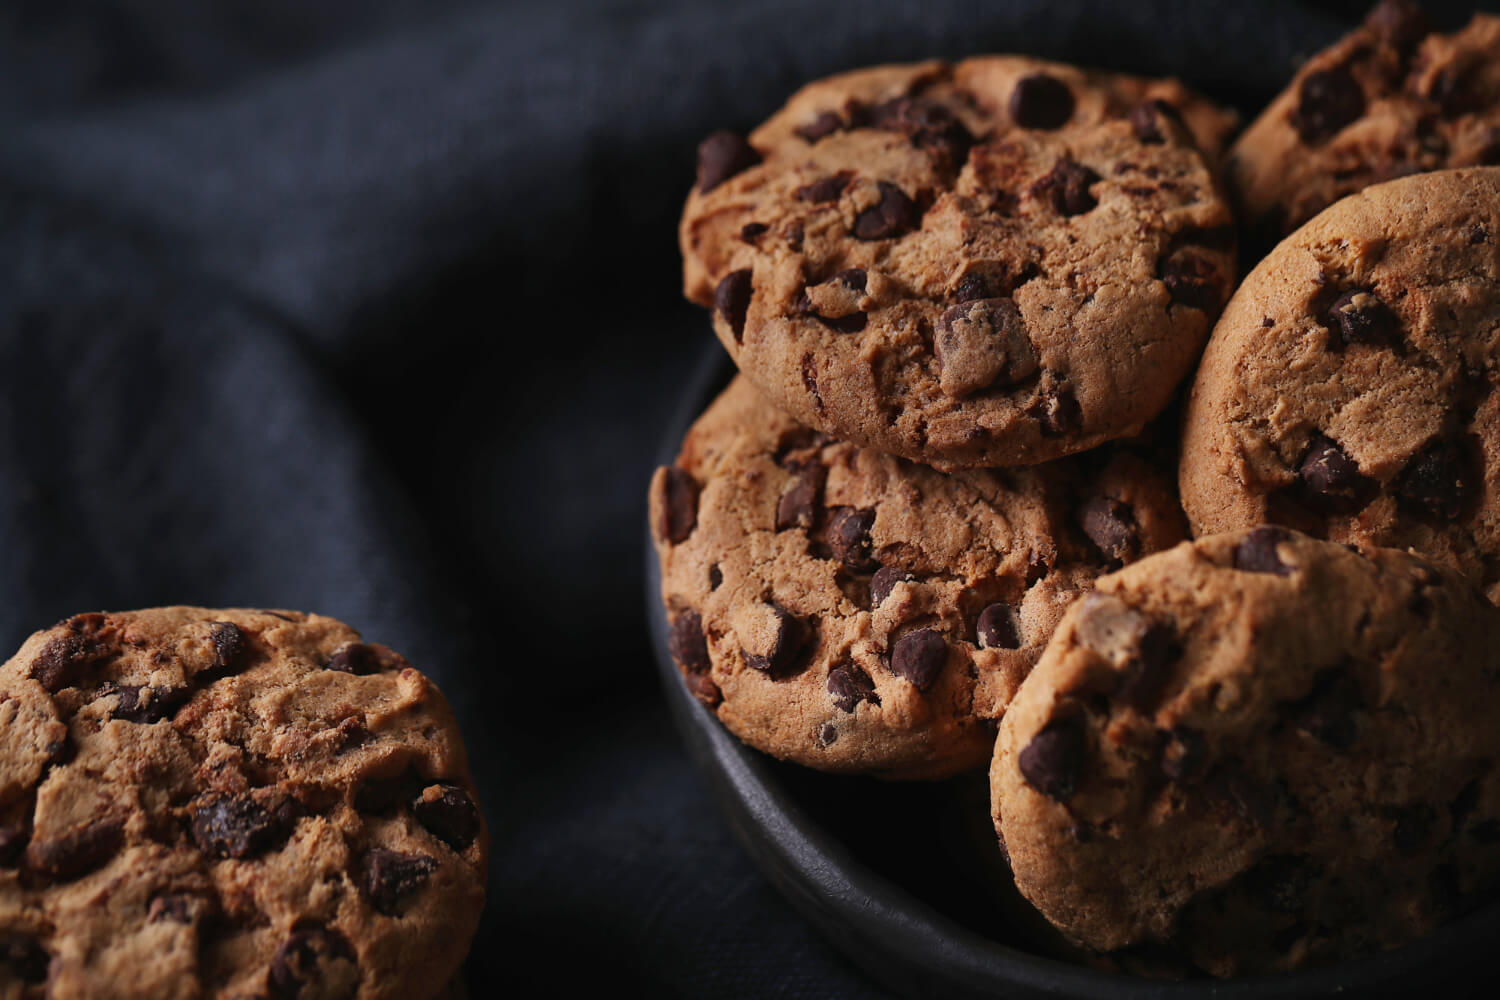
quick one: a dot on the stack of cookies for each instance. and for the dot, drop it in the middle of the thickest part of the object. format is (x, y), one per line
(949, 494)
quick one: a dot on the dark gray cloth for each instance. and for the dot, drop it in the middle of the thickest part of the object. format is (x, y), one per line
(373, 309)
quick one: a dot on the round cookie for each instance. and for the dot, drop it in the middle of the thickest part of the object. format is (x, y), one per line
(1347, 390)
(854, 612)
(1255, 752)
(1387, 100)
(997, 262)
(230, 803)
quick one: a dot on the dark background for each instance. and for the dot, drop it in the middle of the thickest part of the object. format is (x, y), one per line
(372, 308)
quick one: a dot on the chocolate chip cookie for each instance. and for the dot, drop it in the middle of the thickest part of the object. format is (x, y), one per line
(847, 610)
(1258, 751)
(1348, 389)
(997, 262)
(231, 804)
(1388, 100)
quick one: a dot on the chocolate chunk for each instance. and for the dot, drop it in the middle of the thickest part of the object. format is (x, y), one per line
(367, 658)
(1439, 482)
(828, 735)
(230, 644)
(314, 960)
(680, 511)
(1057, 410)
(77, 851)
(62, 661)
(25, 957)
(687, 642)
(722, 155)
(1412, 828)
(849, 686)
(1193, 280)
(980, 342)
(1143, 650)
(732, 300)
(1256, 553)
(786, 642)
(894, 215)
(1185, 757)
(1041, 101)
(146, 705)
(1331, 478)
(1329, 713)
(919, 657)
(1279, 883)
(1054, 761)
(236, 826)
(1066, 186)
(1146, 120)
(752, 231)
(884, 581)
(852, 278)
(178, 908)
(849, 537)
(825, 124)
(1359, 317)
(998, 628)
(1328, 100)
(825, 189)
(928, 124)
(970, 287)
(798, 505)
(389, 878)
(1112, 527)
(1399, 22)
(447, 812)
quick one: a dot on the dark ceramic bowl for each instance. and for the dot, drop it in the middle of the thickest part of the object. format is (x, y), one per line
(907, 881)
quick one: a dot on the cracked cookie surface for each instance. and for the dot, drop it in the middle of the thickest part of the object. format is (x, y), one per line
(851, 611)
(1255, 752)
(230, 803)
(927, 259)
(1388, 100)
(1348, 390)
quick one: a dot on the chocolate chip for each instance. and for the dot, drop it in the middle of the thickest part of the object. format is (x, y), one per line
(25, 957)
(849, 537)
(970, 287)
(1328, 100)
(825, 124)
(732, 300)
(78, 851)
(998, 628)
(1329, 477)
(722, 155)
(1256, 553)
(62, 661)
(1041, 101)
(1057, 410)
(312, 957)
(366, 658)
(852, 278)
(928, 124)
(1360, 317)
(680, 511)
(1399, 22)
(1439, 482)
(1066, 186)
(790, 635)
(146, 705)
(894, 215)
(752, 231)
(1142, 649)
(1193, 280)
(1279, 883)
(980, 342)
(1112, 527)
(828, 735)
(919, 657)
(236, 826)
(687, 642)
(389, 878)
(230, 644)
(849, 686)
(1412, 828)
(447, 812)
(825, 189)
(1329, 713)
(1146, 120)
(798, 505)
(1053, 762)
(1185, 757)
(178, 908)
(884, 581)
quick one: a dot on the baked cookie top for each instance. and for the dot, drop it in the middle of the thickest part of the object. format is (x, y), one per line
(1255, 752)
(1348, 389)
(850, 611)
(997, 262)
(1387, 100)
(230, 804)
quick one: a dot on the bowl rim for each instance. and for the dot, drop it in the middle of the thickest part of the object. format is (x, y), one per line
(884, 927)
